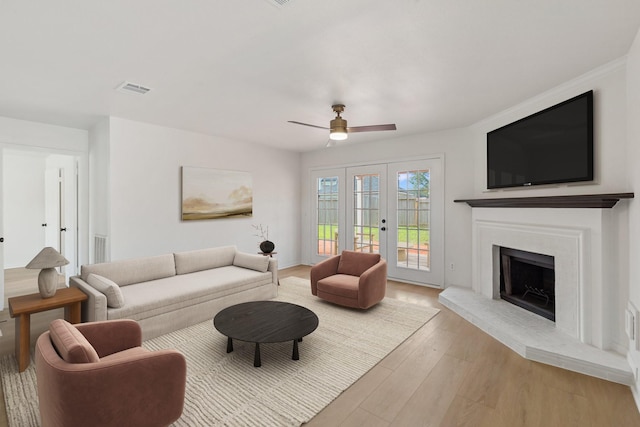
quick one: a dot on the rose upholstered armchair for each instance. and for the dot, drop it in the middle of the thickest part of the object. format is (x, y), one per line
(97, 374)
(352, 279)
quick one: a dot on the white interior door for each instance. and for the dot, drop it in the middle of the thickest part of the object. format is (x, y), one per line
(366, 209)
(52, 208)
(416, 222)
(62, 208)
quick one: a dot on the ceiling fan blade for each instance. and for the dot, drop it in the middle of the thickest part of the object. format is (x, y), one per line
(307, 124)
(371, 128)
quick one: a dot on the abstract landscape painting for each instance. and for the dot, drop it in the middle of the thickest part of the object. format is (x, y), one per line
(214, 193)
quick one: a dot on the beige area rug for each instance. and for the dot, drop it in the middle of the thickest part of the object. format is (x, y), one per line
(226, 390)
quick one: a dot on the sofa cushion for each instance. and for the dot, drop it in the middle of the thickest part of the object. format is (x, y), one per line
(204, 259)
(150, 299)
(252, 262)
(126, 272)
(356, 263)
(71, 345)
(110, 289)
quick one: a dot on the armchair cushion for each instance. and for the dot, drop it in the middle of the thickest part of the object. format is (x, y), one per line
(356, 263)
(341, 285)
(71, 345)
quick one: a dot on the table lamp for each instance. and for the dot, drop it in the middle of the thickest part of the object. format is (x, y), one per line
(47, 260)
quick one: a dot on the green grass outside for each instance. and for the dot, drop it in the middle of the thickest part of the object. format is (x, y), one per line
(326, 232)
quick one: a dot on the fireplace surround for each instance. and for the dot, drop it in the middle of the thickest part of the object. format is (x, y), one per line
(587, 335)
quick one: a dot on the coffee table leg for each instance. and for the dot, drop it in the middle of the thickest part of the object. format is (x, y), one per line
(256, 358)
(229, 345)
(296, 355)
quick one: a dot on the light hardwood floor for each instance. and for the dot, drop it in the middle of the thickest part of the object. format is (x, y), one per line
(450, 373)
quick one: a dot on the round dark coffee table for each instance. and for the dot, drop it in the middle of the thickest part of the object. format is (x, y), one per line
(265, 322)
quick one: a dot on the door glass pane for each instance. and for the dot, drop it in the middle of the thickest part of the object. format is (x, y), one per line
(413, 217)
(366, 213)
(327, 205)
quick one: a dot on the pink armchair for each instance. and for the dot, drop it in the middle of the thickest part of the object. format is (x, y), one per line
(97, 374)
(352, 279)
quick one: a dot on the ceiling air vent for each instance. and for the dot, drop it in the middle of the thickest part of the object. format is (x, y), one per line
(278, 3)
(128, 87)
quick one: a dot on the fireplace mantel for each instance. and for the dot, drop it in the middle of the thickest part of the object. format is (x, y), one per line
(574, 201)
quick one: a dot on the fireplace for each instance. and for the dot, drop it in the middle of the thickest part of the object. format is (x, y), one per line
(584, 241)
(527, 280)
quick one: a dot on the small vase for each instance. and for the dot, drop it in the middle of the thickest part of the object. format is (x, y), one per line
(267, 246)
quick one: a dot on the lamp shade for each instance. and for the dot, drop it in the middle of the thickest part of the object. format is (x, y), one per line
(47, 258)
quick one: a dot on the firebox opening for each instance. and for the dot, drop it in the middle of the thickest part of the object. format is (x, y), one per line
(528, 280)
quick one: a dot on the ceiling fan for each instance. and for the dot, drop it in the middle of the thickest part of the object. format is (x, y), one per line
(338, 129)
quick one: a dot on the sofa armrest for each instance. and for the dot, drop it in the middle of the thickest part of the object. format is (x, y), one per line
(94, 308)
(373, 284)
(111, 336)
(325, 268)
(273, 268)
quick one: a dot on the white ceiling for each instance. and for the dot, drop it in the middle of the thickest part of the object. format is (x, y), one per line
(242, 68)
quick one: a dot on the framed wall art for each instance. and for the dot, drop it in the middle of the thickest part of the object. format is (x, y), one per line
(215, 194)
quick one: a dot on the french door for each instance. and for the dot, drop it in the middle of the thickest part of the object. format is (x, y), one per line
(393, 209)
(328, 219)
(366, 209)
(416, 222)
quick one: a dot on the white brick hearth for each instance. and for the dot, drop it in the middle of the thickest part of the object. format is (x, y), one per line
(587, 288)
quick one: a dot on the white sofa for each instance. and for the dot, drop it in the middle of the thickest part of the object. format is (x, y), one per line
(169, 292)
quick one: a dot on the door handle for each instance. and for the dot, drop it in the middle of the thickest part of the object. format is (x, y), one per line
(383, 228)
(63, 229)
(44, 225)
(1, 239)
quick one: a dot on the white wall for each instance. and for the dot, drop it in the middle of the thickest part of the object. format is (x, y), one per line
(609, 84)
(458, 170)
(23, 206)
(144, 164)
(100, 200)
(610, 147)
(465, 160)
(34, 135)
(39, 139)
(633, 155)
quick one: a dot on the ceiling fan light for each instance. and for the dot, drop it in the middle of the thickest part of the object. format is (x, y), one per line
(338, 128)
(338, 134)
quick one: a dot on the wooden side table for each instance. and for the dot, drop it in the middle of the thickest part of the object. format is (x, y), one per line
(24, 306)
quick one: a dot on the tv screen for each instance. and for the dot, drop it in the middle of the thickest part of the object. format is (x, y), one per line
(552, 146)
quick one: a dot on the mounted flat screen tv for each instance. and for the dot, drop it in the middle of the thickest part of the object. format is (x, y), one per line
(552, 146)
